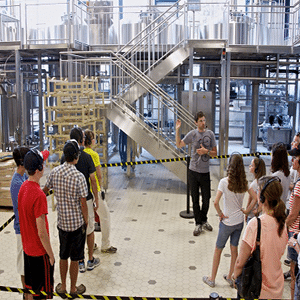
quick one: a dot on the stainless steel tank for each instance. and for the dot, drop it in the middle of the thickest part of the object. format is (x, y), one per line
(211, 31)
(171, 34)
(101, 30)
(131, 30)
(78, 30)
(36, 36)
(239, 29)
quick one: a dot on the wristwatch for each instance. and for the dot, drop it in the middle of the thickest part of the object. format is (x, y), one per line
(294, 244)
(208, 153)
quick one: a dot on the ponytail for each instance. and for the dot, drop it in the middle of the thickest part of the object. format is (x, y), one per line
(279, 215)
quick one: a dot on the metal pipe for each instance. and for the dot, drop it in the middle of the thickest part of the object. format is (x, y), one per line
(41, 122)
(19, 117)
(222, 119)
(254, 119)
(228, 58)
(191, 57)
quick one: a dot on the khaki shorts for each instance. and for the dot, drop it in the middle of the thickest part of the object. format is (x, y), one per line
(91, 216)
(20, 255)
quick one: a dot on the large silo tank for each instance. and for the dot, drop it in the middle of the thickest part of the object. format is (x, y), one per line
(101, 23)
(239, 29)
(78, 30)
(212, 31)
(127, 33)
(131, 30)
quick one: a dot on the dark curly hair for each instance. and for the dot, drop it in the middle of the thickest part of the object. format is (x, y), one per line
(280, 159)
(237, 181)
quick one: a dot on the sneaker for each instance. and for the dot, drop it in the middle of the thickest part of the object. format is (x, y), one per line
(92, 264)
(230, 281)
(287, 262)
(287, 275)
(82, 268)
(197, 230)
(207, 226)
(208, 281)
(111, 250)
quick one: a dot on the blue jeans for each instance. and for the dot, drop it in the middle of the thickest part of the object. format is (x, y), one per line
(200, 181)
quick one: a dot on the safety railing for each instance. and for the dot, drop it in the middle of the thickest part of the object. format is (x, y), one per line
(131, 79)
(160, 27)
(10, 23)
(48, 26)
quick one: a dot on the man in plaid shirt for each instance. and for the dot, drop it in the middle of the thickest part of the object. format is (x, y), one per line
(70, 190)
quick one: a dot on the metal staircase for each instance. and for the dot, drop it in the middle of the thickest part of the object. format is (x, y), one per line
(135, 79)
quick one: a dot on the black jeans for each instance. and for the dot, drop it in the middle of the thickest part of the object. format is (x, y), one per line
(200, 181)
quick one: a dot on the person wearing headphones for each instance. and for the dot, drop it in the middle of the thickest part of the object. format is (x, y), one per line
(273, 238)
(17, 180)
(86, 166)
(70, 191)
(258, 169)
(102, 210)
(33, 210)
(293, 219)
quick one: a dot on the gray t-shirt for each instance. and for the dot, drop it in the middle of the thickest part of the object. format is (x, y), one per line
(199, 163)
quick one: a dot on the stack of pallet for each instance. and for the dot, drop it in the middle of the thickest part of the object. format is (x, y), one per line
(70, 104)
(7, 169)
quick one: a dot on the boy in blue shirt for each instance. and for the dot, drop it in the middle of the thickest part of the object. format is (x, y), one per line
(17, 180)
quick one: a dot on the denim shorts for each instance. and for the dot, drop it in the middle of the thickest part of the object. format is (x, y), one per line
(292, 253)
(225, 231)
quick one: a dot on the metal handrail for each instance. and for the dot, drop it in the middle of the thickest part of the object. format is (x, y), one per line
(145, 38)
(147, 83)
(145, 30)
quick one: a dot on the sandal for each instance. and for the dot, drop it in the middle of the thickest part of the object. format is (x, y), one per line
(79, 290)
(230, 281)
(59, 290)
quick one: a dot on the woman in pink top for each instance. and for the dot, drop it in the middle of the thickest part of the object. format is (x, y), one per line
(273, 239)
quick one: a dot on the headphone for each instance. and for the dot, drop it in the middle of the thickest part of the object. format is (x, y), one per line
(39, 156)
(259, 162)
(72, 141)
(262, 197)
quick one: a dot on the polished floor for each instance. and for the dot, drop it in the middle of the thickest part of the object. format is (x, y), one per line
(157, 256)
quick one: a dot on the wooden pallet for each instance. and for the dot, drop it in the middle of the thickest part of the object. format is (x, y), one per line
(7, 169)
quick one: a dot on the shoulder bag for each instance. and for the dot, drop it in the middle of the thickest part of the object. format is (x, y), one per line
(249, 282)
